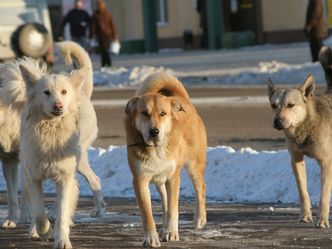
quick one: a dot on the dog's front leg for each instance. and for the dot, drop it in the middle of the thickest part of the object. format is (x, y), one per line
(141, 186)
(326, 184)
(163, 194)
(173, 188)
(43, 225)
(299, 170)
(9, 168)
(67, 193)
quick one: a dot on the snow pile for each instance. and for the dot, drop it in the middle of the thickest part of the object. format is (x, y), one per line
(231, 176)
(120, 77)
(281, 73)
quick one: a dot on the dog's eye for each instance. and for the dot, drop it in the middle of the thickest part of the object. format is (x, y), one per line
(163, 114)
(290, 105)
(63, 92)
(145, 113)
(273, 106)
(47, 92)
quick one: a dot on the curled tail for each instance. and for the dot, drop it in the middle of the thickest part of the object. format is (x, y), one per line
(162, 83)
(325, 59)
(71, 51)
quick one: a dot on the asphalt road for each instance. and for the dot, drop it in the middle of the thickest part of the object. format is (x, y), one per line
(240, 226)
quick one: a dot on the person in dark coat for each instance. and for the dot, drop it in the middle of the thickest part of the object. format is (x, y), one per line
(102, 26)
(315, 27)
(79, 22)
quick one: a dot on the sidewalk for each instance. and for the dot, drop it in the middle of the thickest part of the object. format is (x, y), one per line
(214, 62)
(285, 64)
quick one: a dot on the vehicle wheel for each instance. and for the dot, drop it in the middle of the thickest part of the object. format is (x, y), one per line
(33, 40)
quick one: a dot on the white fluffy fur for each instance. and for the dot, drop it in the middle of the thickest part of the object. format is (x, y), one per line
(50, 149)
(57, 138)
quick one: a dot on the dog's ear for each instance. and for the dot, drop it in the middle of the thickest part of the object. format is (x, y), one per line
(270, 88)
(177, 106)
(308, 87)
(29, 77)
(131, 105)
(77, 78)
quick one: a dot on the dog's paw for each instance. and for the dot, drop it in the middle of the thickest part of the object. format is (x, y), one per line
(151, 240)
(9, 223)
(33, 232)
(306, 218)
(45, 233)
(62, 244)
(199, 223)
(323, 223)
(170, 235)
(99, 211)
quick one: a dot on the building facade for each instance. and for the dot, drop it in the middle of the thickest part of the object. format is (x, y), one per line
(151, 25)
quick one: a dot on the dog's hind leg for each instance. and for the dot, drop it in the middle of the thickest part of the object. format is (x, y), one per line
(326, 185)
(10, 168)
(171, 232)
(67, 193)
(94, 182)
(25, 210)
(299, 170)
(163, 194)
(196, 173)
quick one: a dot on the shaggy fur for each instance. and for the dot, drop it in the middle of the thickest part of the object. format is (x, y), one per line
(13, 96)
(307, 124)
(49, 143)
(165, 133)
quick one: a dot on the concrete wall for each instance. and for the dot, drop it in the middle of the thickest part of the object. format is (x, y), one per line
(283, 14)
(182, 15)
(127, 15)
(129, 20)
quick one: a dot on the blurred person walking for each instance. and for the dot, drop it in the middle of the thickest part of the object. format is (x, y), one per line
(79, 21)
(315, 27)
(102, 26)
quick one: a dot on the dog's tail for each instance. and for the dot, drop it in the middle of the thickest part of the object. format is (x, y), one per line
(162, 83)
(74, 53)
(12, 86)
(325, 59)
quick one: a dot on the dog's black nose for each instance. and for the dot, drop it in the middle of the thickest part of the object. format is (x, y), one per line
(58, 106)
(277, 123)
(154, 132)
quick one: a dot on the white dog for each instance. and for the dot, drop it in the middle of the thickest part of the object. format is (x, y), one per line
(49, 145)
(58, 125)
(12, 99)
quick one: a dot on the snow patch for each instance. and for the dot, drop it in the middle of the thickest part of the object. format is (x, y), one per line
(280, 73)
(245, 175)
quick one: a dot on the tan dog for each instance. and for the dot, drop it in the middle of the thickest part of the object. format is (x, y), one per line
(164, 133)
(307, 123)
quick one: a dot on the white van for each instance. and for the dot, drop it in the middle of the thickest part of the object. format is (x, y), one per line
(25, 29)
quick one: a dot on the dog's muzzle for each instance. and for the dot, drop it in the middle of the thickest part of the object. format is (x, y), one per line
(57, 109)
(278, 124)
(154, 132)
